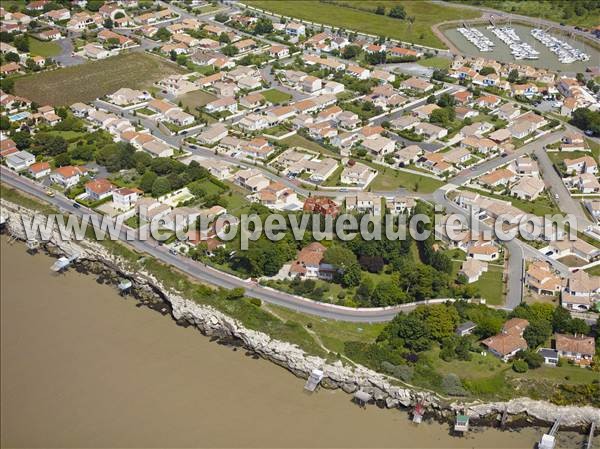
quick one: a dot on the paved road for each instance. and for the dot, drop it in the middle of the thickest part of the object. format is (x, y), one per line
(209, 275)
(66, 57)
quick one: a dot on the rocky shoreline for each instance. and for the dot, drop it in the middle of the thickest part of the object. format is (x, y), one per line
(93, 258)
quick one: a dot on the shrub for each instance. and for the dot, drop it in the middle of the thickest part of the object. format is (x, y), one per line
(520, 366)
(402, 372)
(452, 385)
(257, 302)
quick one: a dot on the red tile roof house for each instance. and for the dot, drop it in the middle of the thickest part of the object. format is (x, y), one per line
(39, 169)
(98, 189)
(7, 147)
(580, 349)
(309, 263)
(67, 176)
(321, 205)
(510, 341)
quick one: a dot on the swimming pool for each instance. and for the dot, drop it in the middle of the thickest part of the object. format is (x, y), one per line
(19, 116)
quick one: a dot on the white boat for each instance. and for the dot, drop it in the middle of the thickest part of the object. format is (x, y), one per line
(565, 52)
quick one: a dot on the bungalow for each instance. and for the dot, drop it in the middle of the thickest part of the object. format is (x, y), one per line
(107, 37)
(508, 112)
(476, 129)
(457, 156)
(462, 97)
(408, 155)
(488, 101)
(176, 85)
(10, 68)
(587, 183)
(58, 15)
(579, 348)
(473, 269)
(38, 5)
(528, 188)
(95, 52)
(581, 292)
(520, 129)
(158, 148)
(356, 173)
(125, 198)
(510, 341)
(399, 52)
(98, 189)
(279, 51)
(485, 251)
(417, 84)
(403, 123)
(321, 205)
(222, 104)
(251, 179)
(578, 247)
(295, 29)
(38, 170)
(67, 176)
(19, 161)
(584, 164)
(463, 112)
(465, 329)
(424, 112)
(7, 146)
(358, 72)
(542, 279)
(501, 135)
(126, 96)
(311, 84)
(257, 148)
(309, 263)
(480, 145)
(245, 45)
(253, 100)
(219, 169)
(400, 204)
(498, 177)
(213, 133)
(379, 146)
(430, 131)
(253, 122)
(364, 202)
(527, 90)
(435, 163)
(593, 207)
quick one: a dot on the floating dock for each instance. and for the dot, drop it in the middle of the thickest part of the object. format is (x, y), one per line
(313, 380)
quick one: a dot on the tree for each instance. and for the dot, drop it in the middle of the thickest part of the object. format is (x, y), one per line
(452, 385)
(513, 76)
(221, 17)
(397, 12)
(387, 293)
(586, 120)
(22, 139)
(487, 71)
(431, 99)
(263, 26)
(445, 100)
(62, 159)
(350, 51)
(224, 38)
(108, 23)
(580, 78)
(161, 186)
(49, 144)
(440, 319)
(236, 293)
(21, 43)
(230, 50)
(163, 34)
(147, 180)
(537, 333)
(532, 358)
(380, 10)
(520, 366)
(442, 116)
(12, 57)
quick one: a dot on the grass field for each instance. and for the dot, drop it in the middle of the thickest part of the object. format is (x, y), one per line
(45, 49)
(436, 62)
(341, 15)
(196, 98)
(390, 179)
(299, 141)
(91, 80)
(276, 96)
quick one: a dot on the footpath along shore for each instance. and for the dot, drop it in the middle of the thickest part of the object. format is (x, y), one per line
(385, 391)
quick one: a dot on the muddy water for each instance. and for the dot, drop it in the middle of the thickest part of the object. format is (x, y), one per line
(83, 367)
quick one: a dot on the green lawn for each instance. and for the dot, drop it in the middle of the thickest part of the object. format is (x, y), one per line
(435, 62)
(276, 96)
(346, 14)
(332, 333)
(42, 48)
(541, 206)
(552, 10)
(594, 271)
(86, 82)
(490, 285)
(299, 141)
(390, 179)
(196, 99)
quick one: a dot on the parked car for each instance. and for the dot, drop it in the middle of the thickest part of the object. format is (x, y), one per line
(77, 205)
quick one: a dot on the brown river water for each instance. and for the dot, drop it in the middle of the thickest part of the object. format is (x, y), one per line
(83, 367)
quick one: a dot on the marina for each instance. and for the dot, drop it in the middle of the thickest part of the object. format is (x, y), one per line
(565, 52)
(477, 38)
(502, 51)
(519, 49)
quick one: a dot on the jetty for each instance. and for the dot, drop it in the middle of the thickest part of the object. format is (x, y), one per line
(313, 381)
(591, 436)
(548, 439)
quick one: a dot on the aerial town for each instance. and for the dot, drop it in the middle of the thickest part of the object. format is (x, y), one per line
(144, 110)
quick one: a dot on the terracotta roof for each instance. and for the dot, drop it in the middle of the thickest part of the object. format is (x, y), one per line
(575, 344)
